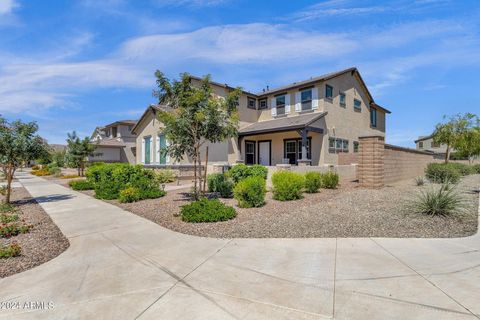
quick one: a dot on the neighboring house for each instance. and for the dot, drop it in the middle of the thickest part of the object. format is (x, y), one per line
(326, 114)
(425, 143)
(115, 142)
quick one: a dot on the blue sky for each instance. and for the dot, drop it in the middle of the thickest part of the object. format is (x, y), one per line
(73, 65)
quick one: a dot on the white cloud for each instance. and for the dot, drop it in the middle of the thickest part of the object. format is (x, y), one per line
(7, 6)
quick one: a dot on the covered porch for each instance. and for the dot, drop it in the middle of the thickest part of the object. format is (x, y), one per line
(295, 140)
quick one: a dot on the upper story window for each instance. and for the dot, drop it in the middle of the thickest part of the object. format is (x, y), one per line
(420, 145)
(280, 101)
(355, 146)
(435, 145)
(328, 92)
(343, 100)
(114, 132)
(357, 104)
(306, 98)
(373, 117)
(252, 103)
(263, 104)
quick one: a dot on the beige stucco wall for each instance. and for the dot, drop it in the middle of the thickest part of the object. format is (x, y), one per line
(427, 146)
(106, 154)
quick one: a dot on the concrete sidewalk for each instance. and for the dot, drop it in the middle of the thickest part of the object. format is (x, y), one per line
(121, 266)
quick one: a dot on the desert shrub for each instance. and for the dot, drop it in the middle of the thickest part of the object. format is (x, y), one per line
(96, 164)
(41, 172)
(10, 230)
(7, 207)
(70, 176)
(313, 182)
(7, 218)
(219, 182)
(3, 190)
(330, 180)
(287, 185)
(463, 168)
(250, 192)
(166, 175)
(36, 167)
(11, 250)
(476, 168)
(443, 200)
(129, 194)
(81, 185)
(442, 173)
(242, 171)
(207, 210)
(420, 181)
(54, 169)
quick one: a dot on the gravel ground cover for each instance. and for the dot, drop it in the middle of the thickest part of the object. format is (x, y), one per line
(349, 211)
(44, 241)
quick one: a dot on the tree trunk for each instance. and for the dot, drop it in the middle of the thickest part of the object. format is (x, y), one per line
(199, 159)
(10, 173)
(447, 154)
(195, 196)
(205, 174)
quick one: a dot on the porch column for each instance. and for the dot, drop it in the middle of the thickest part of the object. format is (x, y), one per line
(239, 150)
(304, 161)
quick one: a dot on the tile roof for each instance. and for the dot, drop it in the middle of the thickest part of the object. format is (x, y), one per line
(282, 124)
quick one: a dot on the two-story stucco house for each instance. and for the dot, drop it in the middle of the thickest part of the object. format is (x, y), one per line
(426, 143)
(309, 122)
(115, 142)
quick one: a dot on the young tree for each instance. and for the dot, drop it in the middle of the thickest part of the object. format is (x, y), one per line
(468, 141)
(19, 144)
(77, 152)
(196, 117)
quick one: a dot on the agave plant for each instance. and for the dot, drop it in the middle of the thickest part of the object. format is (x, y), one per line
(444, 200)
(419, 181)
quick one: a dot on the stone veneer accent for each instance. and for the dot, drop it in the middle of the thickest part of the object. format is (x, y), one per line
(371, 161)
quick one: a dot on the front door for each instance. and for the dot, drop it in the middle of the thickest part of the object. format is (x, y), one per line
(264, 153)
(162, 145)
(250, 153)
(147, 150)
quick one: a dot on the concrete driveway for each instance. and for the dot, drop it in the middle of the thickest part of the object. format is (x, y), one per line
(121, 266)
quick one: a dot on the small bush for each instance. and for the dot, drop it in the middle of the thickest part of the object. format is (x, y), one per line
(36, 167)
(241, 171)
(3, 190)
(443, 200)
(207, 210)
(250, 192)
(218, 182)
(8, 218)
(476, 168)
(96, 164)
(330, 180)
(7, 231)
(463, 168)
(165, 175)
(70, 176)
(54, 169)
(7, 207)
(420, 181)
(287, 185)
(81, 185)
(442, 173)
(11, 250)
(313, 182)
(41, 173)
(129, 194)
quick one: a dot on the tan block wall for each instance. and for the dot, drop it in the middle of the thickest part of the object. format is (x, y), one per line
(371, 161)
(402, 163)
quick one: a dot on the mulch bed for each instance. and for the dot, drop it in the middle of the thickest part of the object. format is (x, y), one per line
(349, 211)
(44, 241)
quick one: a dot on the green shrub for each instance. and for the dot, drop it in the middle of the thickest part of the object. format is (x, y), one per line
(463, 168)
(11, 250)
(81, 185)
(287, 185)
(129, 194)
(443, 200)
(96, 164)
(3, 190)
(7, 218)
(330, 180)
(36, 167)
(313, 182)
(241, 171)
(165, 175)
(219, 182)
(250, 192)
(442, 173)
(54, 169)
(7, 207)
(476, 168)
(213, 180)
(10, 230)
(207, 210)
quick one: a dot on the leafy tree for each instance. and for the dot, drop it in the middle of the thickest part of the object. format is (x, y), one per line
(19, 144)
(77, 152)
(452, 131)
(58, 157)
(468, 141)
(196, 117)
